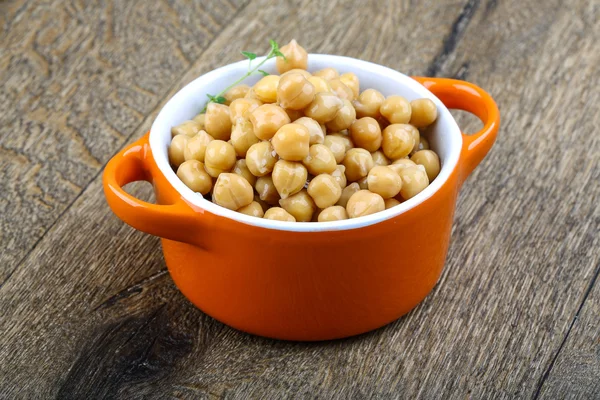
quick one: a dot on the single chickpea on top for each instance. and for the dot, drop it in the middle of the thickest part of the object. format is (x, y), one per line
(242, 137)
(261, 158)
(315, 130)
(397, 141)
(300, 205)
(333, 213)
(389, 203)
(177, 149)
(217, 122)
(424, 112)
(219, 158)
(267, 192)
(384, 181)
(266, 88)
(396, 109)
(291, 142)
(364, 203)
(414, 181)
(194, 176)
(366, 133)
(324, 190)
(379, 158)
(253, 209)
(358, 163)
(343, 119)
(267, 119)
(239, 107)
(430, 161)
(195, 149)
(347, 192)
(368, 104)
(320, 160)
(232, 191)
(187, 128)
(337, 146)
(295, 57)
(295, 92)
(236, 92)
(289, 177)
(324, 107)
(279, 214)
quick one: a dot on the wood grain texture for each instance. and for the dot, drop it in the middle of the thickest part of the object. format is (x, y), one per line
(92, 313)
(76, 80)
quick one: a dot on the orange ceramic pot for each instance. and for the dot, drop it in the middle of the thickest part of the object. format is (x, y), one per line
(304, 281)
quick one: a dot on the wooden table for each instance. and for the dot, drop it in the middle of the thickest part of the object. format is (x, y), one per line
(87, 309)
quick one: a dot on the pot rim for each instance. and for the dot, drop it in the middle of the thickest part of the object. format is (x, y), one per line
(194, 93)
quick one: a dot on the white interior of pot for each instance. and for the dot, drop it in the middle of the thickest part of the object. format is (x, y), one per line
(444, 136)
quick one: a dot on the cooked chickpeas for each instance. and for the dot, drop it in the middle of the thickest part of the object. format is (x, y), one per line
(253, 209)
(295, 57)
(351, 80)
(194, 176)
(429, 160)
(324, 190)
(396, 109)
(364, 203)
(261, 158)
(177, 149)
(397, 141)
(358, 163)
(369, 103)
(279, 214)
(300, 205)
(365, 133)
(303, 147)
(217, 122)
(187, 128)
(291, 142)
(384, 181)
(343, 119)
(266, 190)
(239, 107)
(232, 191)
(414, 180)
(295, 92)
(424, 113)
(327, 73)
(242, 137)
(266, 89)
(315, 130)
(324, 107)
(320, 160)
(289, 177)
(333, 213)
(236, 92)
(267, 119)
(337, 146)
(219, 158)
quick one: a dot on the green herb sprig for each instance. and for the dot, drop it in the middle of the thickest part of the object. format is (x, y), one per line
(274, 52)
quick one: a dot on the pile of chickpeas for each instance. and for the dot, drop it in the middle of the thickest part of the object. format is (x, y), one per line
(306, 147)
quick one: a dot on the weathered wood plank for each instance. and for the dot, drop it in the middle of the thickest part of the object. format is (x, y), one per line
(76, 80)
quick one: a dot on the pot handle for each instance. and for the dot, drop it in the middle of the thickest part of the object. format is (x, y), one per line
(176, 221)
(465, 96)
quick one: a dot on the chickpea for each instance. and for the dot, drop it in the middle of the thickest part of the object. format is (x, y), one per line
(320, 84)
(320, 160)
(218, 121)
(363, 183)
(187, 128)
(333, 213)
(251, 95)
(253, 209)
(219, 158)
(236, 92)
(289, 177)
(263, 204)
(291, 142)
(242, 170)
(337, 146)
(279, 214)
(266, 88)
(300, 205)
(351, 80)
(302, 72)
(324, 190)
(199, 119)
(242, 137)
(347, 192)
(396, 109)
(324, 107)
(194, 176)
(343, 91)
(400, 164)
(239, 107)
(358, 163)
(379, 158)
(261, 158)
(384, 181)
(232, 191)
(195, 148)
(414, 180)
(398, 141)
(348, 144)
(177, 149)
(267, 119)
(294, 114)
(368, 104)
(266, 190)
(389, 203)
(364, 203)
(365, 133)
(327, 73)
(343, 119)
(339, 173)
(430, 161)
(295, 92)
(424, 112)
(295, 57)
(315, 130)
